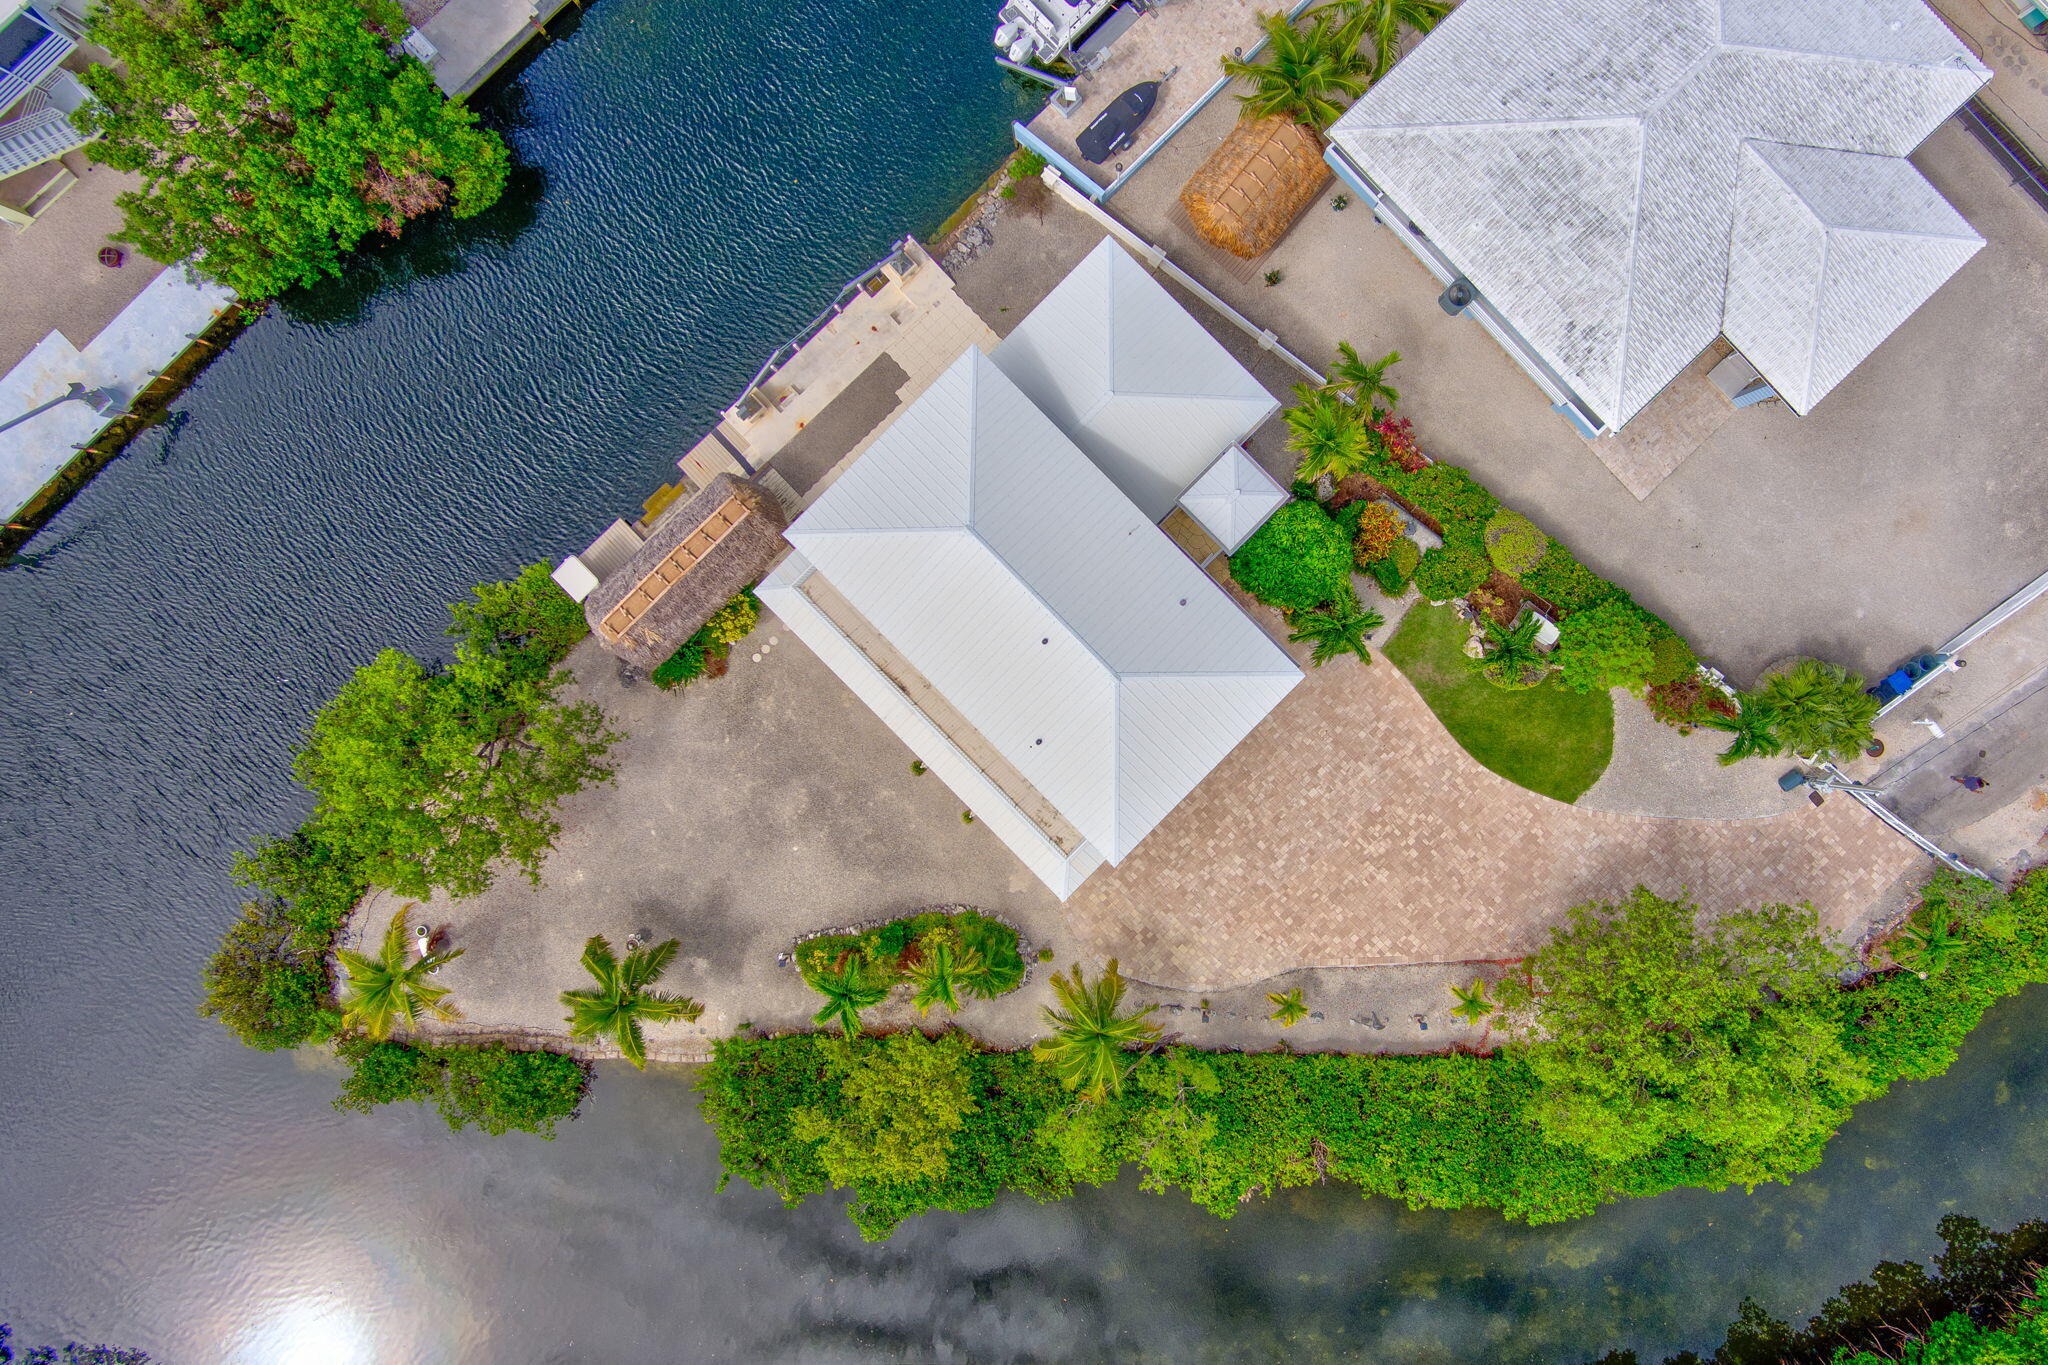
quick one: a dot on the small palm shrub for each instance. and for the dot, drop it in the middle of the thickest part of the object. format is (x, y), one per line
(1298, 561)
(1377, 529)
(1473, 1002)
(938, 976)
(1328, 432)
(1513, 543)
(1605, 646)
(1366, 381)
(622, 998)
(1926, 943)
(851, 988)
(1448, 572)
(980, 959)
(1821, 710)
(392, 987)
(1341, 629)
(1511, 659)
(1090, 1032)
(1288, 1008)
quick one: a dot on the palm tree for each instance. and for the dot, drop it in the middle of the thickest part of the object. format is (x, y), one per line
(1288, 1009)
(1384, 20)
(1473, 1004)
(1511, 656)
(943, 969)
(1925, 945)
(1821, 708)
(1305, 74)
(1366, 383)
(1089, 1036)
(847, 992)
(1342, 628)
(622, 1001)
(382, 990)
(1754, 726)
(1327, 433)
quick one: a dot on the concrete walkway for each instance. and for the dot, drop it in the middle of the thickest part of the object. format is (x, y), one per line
(1349, 829)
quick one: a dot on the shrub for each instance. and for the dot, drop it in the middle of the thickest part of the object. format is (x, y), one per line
(732, 622)
(1671, 658)
(1818, 709)
(1460, 503)
(1513, 543)
(1561, 580)
(1605, 646)
(1686, 702)
(885, 951)
(1397, 443)
(317, 883)
(272, 992)
(1450, 571)
(527, 620)
(1024, 163)
(1376, 530)
(1297, 561)
(684, 666)
(490, 1086)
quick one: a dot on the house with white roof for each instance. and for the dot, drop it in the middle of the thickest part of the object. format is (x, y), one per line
(1610, 185)
(37, 98)
(1019, 620)
(1132, 378)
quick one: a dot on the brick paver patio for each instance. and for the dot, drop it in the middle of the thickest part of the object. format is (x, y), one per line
(1350, 829)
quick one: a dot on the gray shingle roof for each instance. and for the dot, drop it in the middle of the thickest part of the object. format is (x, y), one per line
(1585, 163)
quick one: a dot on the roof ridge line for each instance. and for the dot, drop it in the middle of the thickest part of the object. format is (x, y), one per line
(1917, 234)
(1234, 675)
(1603, 120)
(1897, 63)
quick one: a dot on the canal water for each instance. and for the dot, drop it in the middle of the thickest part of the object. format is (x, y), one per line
(699, 178)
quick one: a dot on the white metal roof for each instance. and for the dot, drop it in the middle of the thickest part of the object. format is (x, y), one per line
(1233, 498)
(1045, 607)
(1830, 252)
(1583, 161)
(1135, 381)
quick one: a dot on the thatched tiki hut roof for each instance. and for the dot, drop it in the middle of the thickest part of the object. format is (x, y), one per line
(698, 556)
(1253, 187)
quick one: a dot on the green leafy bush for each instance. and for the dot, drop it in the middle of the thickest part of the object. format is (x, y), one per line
(686, 665)
(316, 882)
(1297, 561)
(1561, 580)
(1450, 571)
(527, 621)
(734, 621)
(1671, 659)
(1460, 504)
(489, 1086)
(1513, 543)
(1606, 646)
(1024, 163)
(267, 987)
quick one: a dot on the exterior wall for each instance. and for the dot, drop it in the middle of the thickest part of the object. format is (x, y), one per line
(1064, 873)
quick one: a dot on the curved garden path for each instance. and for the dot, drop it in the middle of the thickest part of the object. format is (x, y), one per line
(1350, 829)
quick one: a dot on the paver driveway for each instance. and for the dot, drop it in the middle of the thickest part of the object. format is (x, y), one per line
(1350, 829)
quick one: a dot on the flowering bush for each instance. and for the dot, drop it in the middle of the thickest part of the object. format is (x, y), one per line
(1396, 440)
(1513, 543)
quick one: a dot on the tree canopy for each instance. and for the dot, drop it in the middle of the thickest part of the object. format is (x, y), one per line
(1646, 1032)
(425, 777)
(273, 135)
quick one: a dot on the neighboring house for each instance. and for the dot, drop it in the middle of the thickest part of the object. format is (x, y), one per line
(1020, 623)
(37, 97)
(1132, 379)
(1615, 183)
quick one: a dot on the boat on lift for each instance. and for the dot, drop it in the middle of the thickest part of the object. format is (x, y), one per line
(1051, 33)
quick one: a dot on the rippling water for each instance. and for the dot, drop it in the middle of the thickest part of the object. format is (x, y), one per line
(701, 178)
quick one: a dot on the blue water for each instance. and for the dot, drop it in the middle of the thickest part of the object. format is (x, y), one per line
(699, 179)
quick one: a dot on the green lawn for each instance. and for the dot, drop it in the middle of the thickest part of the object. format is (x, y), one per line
(1546, 739)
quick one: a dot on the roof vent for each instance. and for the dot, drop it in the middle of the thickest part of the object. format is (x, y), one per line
(1458, 297)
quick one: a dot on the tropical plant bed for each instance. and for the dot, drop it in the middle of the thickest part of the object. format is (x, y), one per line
(1551, 740)
(891, 953)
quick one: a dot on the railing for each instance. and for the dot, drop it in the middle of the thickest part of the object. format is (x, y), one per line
(787, 351)
(2017, 158)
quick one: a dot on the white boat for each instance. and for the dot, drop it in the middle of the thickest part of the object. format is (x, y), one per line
(1046, 32)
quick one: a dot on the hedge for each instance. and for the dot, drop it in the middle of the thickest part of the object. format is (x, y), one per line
(1434, 1132)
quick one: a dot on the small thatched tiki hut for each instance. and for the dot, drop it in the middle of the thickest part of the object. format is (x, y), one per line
(698, 556)
(1253, 187)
